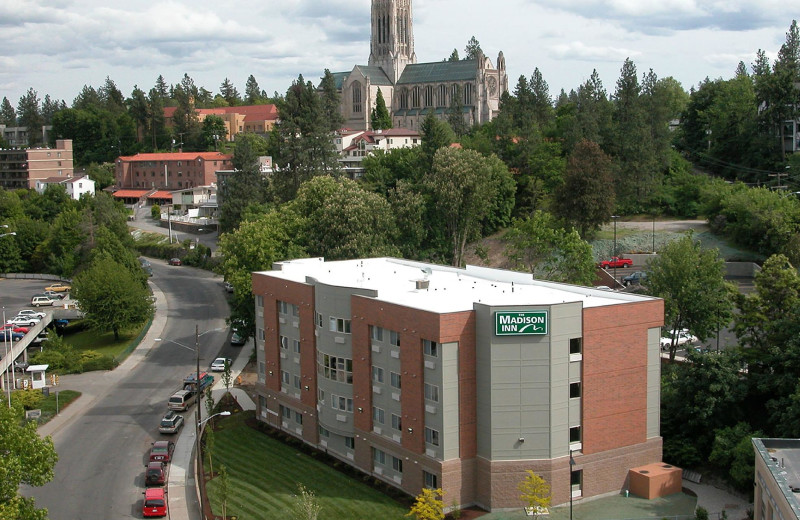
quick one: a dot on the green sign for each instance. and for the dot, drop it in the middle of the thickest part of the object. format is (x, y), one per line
(520, 323)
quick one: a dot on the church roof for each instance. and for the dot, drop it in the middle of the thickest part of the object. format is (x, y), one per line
(436, 72)
(376, 76)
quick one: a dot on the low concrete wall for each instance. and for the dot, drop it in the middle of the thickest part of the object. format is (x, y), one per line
(741, 269)
(33, 276)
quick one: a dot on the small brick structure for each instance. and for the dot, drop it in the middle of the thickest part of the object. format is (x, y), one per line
(654, 480)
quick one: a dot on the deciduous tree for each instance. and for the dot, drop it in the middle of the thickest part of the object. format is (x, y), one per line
(428, 505)
(535, 492)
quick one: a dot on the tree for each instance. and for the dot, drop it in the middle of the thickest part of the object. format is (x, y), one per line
(49, 108)
(29, 115)
(473, 49)
(247, 186)
(435, 134)
(732, 453)
(534, 491)
(10, 258)
(461, 185)
(226, 377)
(161, 89)
(453, 55)
(691, 281)
(101, 174)
(224, 488)
(586, 198)
(8, 116)
(428, 505)
(455, 112)
(25, 459)
(539, 246)
(252, 93)
(214, 131)
(305, 505)
(332, 102)
(381, 119)
(110, 296)
(111, 97)
(229, 92)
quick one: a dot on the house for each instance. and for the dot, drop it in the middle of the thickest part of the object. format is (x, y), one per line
(75, 186)
(354, 145)
(423, 375)
(258, 119)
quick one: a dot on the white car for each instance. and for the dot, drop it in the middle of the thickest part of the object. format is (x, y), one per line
(219, 364)
(682, 337)
(24, 321)
(30, 313)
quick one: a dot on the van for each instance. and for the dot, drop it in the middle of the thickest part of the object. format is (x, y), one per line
(155, 503)
(181, 400)
(39, 300)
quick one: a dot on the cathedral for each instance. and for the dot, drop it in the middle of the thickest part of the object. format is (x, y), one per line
(411, 90)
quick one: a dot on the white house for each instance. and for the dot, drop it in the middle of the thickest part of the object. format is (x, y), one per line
(75, 186)
(354, 145)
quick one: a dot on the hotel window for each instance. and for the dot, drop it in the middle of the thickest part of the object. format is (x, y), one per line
(296, 346)
(377, 333)
(284, 342)
(350, 442)
(298, 417)
(394, 380)
(261, 334)
(575, 345)
(397, 422)
(378, 456)
(323, 432)
(431, 393)
(297, 382)
(343, 404)
(320, 320)
(430, 348)
(377, 374)
(397, 464)
(283, 307)
(430, 480)
(335, 368)
(431, 436)
(295, 310)
(574, 390)
(576, 483)
(394, 338)
(321, 396)
(286, 412)
(260, 301)
(339, 325)
(285, 377)
(378, 415)
(575, 434)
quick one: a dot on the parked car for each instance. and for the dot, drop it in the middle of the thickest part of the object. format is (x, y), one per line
(170, 423)
(155, 474)
(616, 261)
(155, 502)
(161, 451)
(24, 321)
(635, 278)
(237, 339)
(29, 312)
(10, 335)
(228, 287)
(218, 365)
(682, 337)
(42, 299)
(174, 261)
(58, 287)
(54, 295)
(16, 328)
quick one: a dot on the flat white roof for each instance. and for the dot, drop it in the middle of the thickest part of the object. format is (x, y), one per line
(449, 289)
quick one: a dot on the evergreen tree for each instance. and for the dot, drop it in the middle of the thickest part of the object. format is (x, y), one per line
(453, 55)
(158, 136)
(161, 88)
(542, 103)
(381, 119)
(455, 113)
(436, 134)
(29, 115)
(331, 102)
(252, 93)
(473, 49)
(49, 108)
(8, 116)
(229, 92)
(111, 97)
(87, 98)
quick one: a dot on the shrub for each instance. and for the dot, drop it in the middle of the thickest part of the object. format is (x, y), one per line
(155, 212)
(92, 360)
(29, 398)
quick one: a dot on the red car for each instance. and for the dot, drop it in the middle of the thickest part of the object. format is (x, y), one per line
(616, 261)
(16, 328)
(174, 261)
(155, 502)
(155, 474)
(161, 451)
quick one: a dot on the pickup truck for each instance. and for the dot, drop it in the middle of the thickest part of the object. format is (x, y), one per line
(616, 261)
(190, 381)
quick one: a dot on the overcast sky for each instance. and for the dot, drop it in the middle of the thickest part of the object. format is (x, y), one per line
(57, 46)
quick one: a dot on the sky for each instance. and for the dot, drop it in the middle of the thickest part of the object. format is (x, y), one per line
(58, 46)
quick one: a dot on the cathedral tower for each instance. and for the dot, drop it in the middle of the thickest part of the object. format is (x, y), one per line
(392, 42)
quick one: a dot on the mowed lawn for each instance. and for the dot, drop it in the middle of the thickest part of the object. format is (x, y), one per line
(263, 475)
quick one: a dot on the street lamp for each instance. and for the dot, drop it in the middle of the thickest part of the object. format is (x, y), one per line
(615, 217)
(571, 465)
(6, 333)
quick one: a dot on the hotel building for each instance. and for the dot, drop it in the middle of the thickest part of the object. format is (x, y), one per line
(430, 376)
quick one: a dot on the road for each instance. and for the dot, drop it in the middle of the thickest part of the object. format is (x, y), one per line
(102, 452)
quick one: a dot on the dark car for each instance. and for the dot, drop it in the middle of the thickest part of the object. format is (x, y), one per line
(635, 278)
(174, 261)
(237, 339)
(155, 474)
(10, 335)
(161, 451)
(170, 423)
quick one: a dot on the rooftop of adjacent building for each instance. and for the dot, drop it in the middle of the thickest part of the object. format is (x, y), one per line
(782, 457)
(267, 112)
(175, 156)
(449, 289)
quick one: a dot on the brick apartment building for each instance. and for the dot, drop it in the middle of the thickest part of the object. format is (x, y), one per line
(22, 167)
(170, 171)
(431, 376)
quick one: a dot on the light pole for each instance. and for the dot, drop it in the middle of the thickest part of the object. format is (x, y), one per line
(10, 362)
(613, 256)
(654, 233)
(571, 465)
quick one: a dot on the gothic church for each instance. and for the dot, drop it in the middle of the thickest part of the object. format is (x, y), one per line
(410, 89)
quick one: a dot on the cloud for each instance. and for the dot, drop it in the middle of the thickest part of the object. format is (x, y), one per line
(581, 52)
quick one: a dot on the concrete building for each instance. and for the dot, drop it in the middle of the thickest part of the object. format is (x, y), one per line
(777, 479)
(410, 89)
(431, 376)
(75, 186)
(169, 171)
(21, 168)
(17, 136)
(354, 145)
(257, 119)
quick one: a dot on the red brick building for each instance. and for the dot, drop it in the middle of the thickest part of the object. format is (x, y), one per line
(432, 376)
(23, 167)
(170, 171)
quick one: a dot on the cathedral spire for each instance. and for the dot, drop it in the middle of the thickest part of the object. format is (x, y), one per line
(392, 42)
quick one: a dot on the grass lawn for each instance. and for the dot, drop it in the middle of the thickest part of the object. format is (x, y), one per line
(103, 342)
(48, 404)
(264, 473)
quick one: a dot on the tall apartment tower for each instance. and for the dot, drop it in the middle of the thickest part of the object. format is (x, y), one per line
(392, 42)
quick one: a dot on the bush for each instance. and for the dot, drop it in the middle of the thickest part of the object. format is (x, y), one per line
(29, 398)
(155, 212)
(92, 360)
